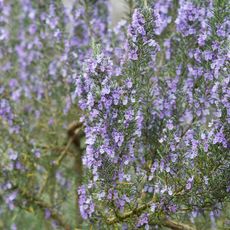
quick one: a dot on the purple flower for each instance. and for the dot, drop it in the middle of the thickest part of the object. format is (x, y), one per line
(12, 154)
(9, 200)
(85, 203)
(47, 213)
(13, 227)
(161, 15)
(118, 137)
(189, 183)
(133, 54)
(143, 220)
(129, 83)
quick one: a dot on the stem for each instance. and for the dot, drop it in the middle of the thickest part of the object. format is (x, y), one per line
(176, 225)
(164, 222)
(75, 137)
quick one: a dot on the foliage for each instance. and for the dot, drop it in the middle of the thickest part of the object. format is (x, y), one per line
(152, 97)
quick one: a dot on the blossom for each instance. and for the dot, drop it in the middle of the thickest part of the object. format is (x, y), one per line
(143, 220)
(189, 183)
(161, 15)
(85, 203)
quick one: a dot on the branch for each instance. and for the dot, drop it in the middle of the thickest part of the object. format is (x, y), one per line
(73, 134)
(126, 215)
(164, 222)
(176, 225)
(44, 205)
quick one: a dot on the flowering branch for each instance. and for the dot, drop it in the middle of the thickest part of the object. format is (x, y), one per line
(164, 222)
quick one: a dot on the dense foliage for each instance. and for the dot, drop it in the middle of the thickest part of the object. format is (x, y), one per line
(151, 103)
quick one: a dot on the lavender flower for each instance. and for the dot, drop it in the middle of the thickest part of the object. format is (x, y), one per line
(86, 204)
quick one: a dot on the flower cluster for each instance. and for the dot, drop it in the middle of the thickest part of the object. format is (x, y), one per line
(143, 220)
(194, 20)
(108, 98)
(161, 15)
(86, 204)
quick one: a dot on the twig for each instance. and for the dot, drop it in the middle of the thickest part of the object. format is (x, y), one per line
(44, 205)
(64, 153)
(73, 132)
(176, 225)
(126, 215)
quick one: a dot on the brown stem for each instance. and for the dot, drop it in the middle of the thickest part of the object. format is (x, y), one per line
(126, 215)
(176, 225)
(75, 135)
(78, 181)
